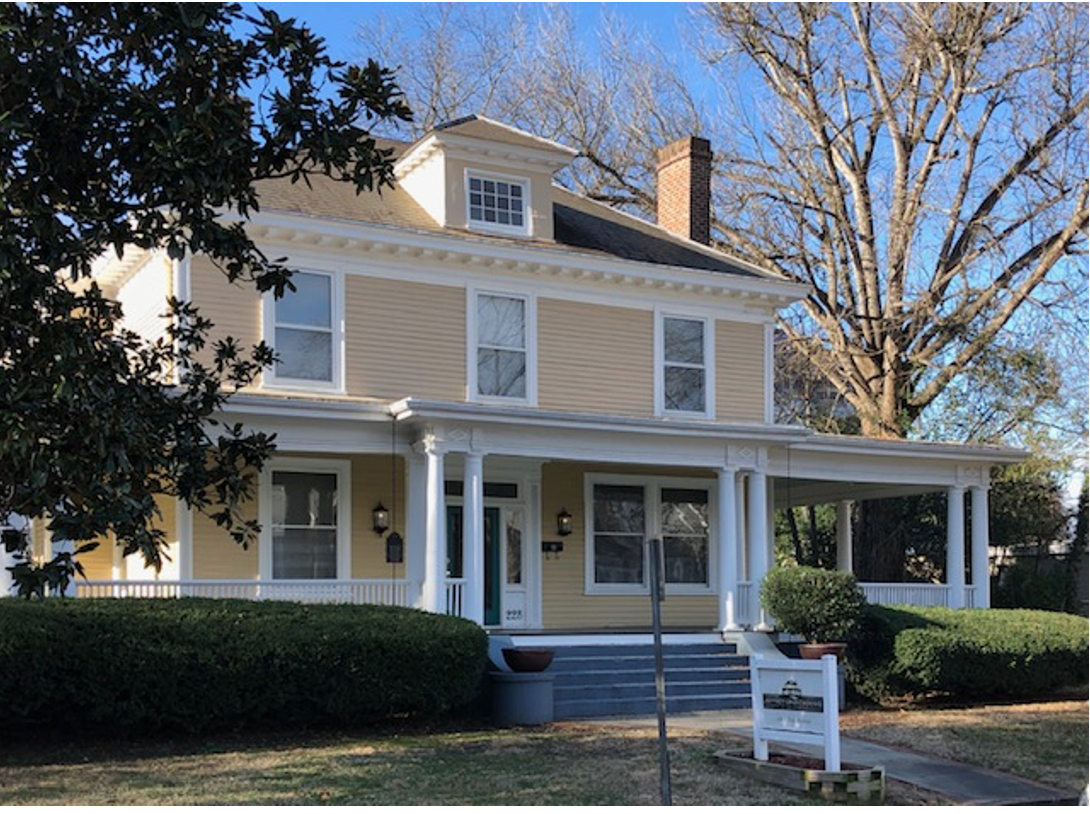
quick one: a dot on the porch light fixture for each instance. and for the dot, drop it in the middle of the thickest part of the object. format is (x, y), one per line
(380, 519)
(563, 523)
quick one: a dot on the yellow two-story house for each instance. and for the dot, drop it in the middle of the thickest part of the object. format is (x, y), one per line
(525, 385)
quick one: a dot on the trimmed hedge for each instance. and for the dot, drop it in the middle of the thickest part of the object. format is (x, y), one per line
(815, 603)
(971, 654)
(198, 664)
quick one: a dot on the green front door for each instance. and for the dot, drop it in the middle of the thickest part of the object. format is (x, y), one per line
(456, 557)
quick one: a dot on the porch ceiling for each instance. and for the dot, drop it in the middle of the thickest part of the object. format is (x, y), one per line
(806, 491)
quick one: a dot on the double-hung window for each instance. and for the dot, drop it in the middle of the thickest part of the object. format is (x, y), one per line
(503, 367)
(497, 204)
(623, 512)
(683, 377)
(307, 522)
(304, 328)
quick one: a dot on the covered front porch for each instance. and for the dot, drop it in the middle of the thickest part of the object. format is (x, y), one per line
(528, 521)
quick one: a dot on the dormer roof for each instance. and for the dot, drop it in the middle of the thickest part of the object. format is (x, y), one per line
(580, 225)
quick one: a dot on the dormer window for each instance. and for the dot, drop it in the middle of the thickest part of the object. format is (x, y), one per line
(497, 204)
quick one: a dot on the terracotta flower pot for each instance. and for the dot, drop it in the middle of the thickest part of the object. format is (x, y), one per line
(528, 659)
(816, 651)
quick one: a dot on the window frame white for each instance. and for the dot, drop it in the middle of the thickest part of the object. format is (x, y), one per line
(652, 507)
(526, 230)
(661, 315)
(339, 467)
(529, 299)
(337, 338)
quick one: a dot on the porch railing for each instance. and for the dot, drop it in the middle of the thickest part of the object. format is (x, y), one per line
(455, 596)
(347, 591)
(742, 603)
(906, 593)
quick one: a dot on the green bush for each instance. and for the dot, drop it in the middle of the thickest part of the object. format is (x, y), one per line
(969, 654)
(196, 665)
(819, 605)
(1048, 584)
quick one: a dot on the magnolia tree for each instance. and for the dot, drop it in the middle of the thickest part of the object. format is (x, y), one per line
(143, 125)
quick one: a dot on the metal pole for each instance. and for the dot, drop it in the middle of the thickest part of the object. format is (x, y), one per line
(658, 592)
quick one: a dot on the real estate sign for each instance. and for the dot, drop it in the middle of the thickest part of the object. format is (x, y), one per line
(796, 701)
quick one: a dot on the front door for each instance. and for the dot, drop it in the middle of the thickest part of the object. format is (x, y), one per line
(492, 558)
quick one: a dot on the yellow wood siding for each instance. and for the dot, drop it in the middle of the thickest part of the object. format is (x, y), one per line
(99, 564)
(235, 309)
(740, 371)
(216, 555)
(595, 358)
(404, 339)
(565, 604)
(371, 485)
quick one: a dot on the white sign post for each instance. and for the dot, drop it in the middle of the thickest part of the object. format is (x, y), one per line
(796, 701)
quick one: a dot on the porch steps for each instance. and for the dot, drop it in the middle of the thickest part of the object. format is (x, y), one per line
(606, 680)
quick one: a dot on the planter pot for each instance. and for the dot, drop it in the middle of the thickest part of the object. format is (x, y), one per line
(816, 651)
(852, 785)
(522, 699)
(528, 659)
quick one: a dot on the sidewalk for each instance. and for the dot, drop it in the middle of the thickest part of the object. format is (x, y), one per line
(963, 784)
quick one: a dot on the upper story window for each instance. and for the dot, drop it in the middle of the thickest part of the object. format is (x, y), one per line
(684, 366)
(304, 327)
(503, 367)
(497, 204)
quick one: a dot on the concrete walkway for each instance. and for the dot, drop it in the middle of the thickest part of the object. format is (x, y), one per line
(967, 785)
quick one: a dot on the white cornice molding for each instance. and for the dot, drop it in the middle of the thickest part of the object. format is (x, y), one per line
(536, 258)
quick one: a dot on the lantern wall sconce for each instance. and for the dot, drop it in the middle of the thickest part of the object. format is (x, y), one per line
(563, 523)
(380, 519)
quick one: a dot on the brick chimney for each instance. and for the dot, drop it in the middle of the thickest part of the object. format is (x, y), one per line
(685, 188)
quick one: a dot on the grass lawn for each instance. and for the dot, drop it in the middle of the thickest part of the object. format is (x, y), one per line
(1044, 742)
(564, 764)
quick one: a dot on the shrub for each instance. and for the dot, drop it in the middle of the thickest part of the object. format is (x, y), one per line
(820, 605)
(196, 665)
(969, 654)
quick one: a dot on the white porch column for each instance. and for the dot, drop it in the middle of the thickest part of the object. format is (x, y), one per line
(844, 536)
(7, 582)
(57, 546)
(727, 529)
(740, 526)
(473, 537)
(435, 532)
(979, 547)
(757, 534)
(955, 546)
(416, 525)
(183, 528)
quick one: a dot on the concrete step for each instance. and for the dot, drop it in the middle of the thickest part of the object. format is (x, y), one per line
(625, 676)
(707, 661)
(594, 708)
(641, 649)
(646, 689)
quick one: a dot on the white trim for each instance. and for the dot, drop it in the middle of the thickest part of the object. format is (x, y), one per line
(269, 378)
(652, 503)
(770, 373)
(569, 283)
(355, 236)
(340, 467)
(530, 341)
(526, 230)
(662, 313)
(183, 522)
